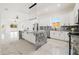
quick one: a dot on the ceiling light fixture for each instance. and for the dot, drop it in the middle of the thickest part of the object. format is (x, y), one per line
(32, 5)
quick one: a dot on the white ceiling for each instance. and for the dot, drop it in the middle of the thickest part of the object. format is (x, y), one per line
(39, 9)
(19, 7)
(43, 8)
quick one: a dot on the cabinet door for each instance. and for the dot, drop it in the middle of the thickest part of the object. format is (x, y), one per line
(65, 36)
(25, 36)
(51, 34)
(54, 34)
(32, 38)
(60, 35)
(57, 35)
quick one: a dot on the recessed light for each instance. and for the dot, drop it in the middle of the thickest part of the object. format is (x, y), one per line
(58, 5)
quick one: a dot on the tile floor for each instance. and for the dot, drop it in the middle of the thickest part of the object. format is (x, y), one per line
(22, 47)
(53, 47)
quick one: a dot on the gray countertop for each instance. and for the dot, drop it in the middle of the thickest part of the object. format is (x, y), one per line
(74, 33)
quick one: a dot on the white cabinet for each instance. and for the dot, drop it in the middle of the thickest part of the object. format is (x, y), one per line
(61, 35)
(65, 36)
(29, 37)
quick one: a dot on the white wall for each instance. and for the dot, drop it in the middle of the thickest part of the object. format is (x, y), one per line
(65, 19)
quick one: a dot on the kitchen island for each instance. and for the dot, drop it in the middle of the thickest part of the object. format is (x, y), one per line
(37, 38)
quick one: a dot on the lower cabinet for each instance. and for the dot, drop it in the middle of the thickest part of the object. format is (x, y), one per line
(38, 38)
(60, 35)
(29, 37)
